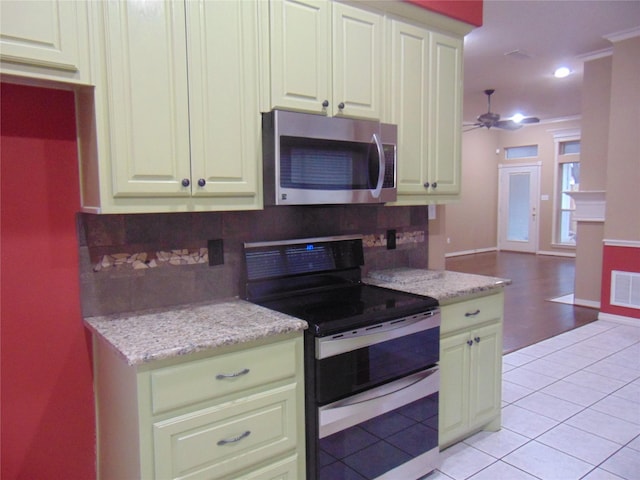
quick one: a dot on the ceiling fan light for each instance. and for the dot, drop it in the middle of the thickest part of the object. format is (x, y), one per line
(517, 117)
(562, 72)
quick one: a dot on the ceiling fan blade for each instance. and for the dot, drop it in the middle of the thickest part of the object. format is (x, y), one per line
(507, 125)
(472, 127)
(528, 120)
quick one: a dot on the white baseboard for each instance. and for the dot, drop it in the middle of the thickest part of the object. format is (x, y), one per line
(581, 302)
(471, 252)
(634, 322)
(556, 254)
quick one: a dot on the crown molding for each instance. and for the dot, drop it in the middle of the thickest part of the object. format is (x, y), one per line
(623, 35)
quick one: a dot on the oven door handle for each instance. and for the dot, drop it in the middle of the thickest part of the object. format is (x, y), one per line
(345, 413)
(373, 334)
(397, 386)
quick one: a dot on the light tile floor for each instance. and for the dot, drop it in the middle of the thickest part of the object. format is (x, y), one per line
(571, 410)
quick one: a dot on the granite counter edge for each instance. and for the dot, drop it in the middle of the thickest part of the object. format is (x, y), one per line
(130, 334)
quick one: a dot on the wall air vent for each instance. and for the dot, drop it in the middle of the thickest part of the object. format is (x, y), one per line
(625, 289)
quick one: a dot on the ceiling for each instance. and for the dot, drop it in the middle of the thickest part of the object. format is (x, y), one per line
(543, 34)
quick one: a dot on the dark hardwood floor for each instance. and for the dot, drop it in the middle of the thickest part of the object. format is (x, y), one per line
(529, 316)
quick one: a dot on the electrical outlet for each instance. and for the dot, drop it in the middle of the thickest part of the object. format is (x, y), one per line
(391, 239)
(216, 252)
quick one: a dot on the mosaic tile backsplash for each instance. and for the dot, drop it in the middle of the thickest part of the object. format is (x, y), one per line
(136, 262)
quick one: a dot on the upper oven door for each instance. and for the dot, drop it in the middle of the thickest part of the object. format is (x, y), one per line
(312, 159)
(356, 361)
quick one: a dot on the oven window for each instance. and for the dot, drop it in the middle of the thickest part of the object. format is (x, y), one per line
(373, 447)
(343, 375)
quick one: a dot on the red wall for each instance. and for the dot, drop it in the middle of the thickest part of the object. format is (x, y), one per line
(47, 398)
(469, 11)
(626, 259)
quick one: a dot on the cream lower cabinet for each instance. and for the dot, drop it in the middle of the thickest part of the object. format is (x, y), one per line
(173, 123)
(426, 94)
(470, 368)
(45, 40)
(326, 57)
(235, 415)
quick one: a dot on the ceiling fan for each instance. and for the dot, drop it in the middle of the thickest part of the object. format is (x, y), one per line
(492, 120)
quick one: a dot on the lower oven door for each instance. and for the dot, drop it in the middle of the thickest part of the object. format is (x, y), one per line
(389, 432)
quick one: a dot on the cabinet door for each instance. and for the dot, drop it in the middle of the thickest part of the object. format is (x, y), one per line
(357, 62)
(300, 54)
(147, 99)
(446, 114)
(486, 372)
(223, 100)
(45, 39)
(453, 418)
(410, 104)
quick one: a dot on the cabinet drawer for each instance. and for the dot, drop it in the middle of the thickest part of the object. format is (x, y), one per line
(216, 441)
(472, 312)
(202, 380)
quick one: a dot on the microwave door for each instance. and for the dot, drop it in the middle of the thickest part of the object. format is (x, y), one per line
(381, 165)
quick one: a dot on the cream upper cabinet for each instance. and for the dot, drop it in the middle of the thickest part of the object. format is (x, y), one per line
(409, 109)
(225, 123)
(425, 103)
(45, 40)
(146, 93)
(177, 123)
(326, 57)
(300, 54)
(446, 115)
(357, 62)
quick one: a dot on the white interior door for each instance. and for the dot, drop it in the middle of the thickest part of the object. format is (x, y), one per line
(518, 208)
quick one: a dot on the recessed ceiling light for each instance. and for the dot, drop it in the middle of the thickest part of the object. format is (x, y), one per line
(561, 72)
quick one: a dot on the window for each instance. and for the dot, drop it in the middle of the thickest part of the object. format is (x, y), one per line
(568, 164)
(526, 151)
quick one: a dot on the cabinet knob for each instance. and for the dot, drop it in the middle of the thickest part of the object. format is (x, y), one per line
(469, 342)
(427, 185)
(434, 185)
(477, 339)
(341, 106)
(202, 182)
(185, 182)
(325, 104)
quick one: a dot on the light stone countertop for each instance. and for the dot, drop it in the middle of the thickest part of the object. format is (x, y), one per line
(150, 335)
(445, 286)
(147, 336)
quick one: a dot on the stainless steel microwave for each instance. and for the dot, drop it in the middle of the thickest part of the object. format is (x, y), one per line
(314, 160)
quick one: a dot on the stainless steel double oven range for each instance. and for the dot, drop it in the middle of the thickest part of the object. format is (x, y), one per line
(371, 359)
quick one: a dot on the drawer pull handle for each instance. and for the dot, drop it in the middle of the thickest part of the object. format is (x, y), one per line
(226, 441)
(222, 376)
(472, 314)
